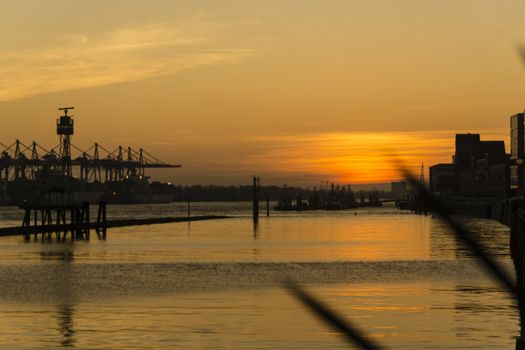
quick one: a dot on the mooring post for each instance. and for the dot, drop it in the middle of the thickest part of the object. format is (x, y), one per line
(255, 200)
(267, 204)
(189, 208)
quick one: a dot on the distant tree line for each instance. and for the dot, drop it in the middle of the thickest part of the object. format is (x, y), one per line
(216, 193)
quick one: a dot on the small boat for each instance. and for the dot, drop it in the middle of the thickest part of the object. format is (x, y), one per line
(332, 200)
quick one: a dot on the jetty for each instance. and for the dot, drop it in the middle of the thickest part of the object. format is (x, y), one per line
(58, 213)
(48, 229)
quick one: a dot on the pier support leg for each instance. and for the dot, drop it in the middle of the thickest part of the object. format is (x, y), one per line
(85, 221)
(101, 227)
(35, 223)
(73, 224)
(27, 225)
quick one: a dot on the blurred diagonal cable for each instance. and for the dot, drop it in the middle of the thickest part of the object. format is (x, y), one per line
(463, 234)
(521, 52)
(351, 333)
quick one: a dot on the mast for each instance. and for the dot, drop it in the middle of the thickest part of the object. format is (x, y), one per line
(422, 175)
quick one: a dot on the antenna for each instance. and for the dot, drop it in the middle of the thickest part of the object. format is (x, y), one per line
(65, 109)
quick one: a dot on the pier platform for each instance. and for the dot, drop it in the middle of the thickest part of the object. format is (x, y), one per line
(20, 230)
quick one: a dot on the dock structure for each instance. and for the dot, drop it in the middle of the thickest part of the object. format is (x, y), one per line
(415, 205)
(57, 213)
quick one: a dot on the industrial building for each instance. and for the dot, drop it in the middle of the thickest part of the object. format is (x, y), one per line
(441, 178)
(478, 168)
(399, 190)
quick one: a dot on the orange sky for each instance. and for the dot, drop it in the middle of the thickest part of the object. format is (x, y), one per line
(297, 92)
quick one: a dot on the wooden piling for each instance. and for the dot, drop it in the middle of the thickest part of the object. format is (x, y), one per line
(267, 204)
(255, 200)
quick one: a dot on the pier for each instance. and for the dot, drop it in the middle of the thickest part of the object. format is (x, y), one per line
(62, 220)
(57, 213)
(62, 229)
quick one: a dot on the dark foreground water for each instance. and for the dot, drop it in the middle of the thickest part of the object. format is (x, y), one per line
(217, 284)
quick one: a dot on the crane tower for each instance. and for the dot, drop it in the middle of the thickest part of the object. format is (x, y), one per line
(65, 131)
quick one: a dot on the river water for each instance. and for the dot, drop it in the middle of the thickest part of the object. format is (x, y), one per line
(218, 284)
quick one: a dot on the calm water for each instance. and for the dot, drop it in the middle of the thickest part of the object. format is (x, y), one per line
(217, 284)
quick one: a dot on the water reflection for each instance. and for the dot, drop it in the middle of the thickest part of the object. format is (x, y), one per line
(482, 314)
(377, 234)
(402, 274)
(445, 245)
(442, 244)
(63, 254)
(65, 323)
(57, 255)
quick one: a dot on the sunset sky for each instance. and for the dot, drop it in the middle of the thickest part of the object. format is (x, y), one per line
(297, 92)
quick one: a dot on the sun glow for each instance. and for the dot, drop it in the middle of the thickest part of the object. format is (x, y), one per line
(357, 157)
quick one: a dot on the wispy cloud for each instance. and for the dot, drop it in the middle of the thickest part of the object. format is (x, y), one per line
(75, 61)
